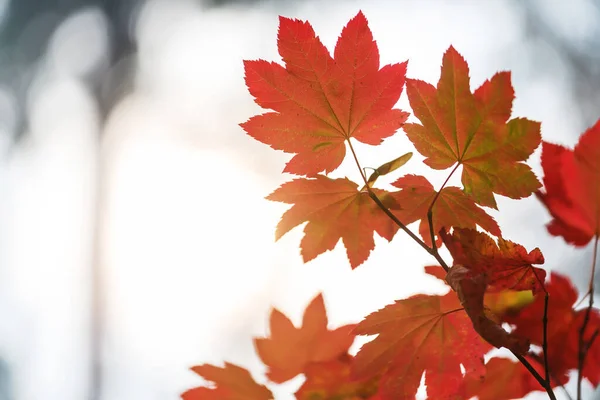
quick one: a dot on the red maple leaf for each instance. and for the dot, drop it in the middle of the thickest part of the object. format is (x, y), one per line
(335, 209)
(231, 383)
(507, 265)
(564, 325)
(504, 380)
(430, 334)
(289, 350)
(453, 208)
(320, 101)
(572, 183)
(472, 129)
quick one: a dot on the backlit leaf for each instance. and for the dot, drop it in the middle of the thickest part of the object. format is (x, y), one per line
(335, 209)
(230, 382)
(572, 183)
(452, 208)
(430, 334)
(320, 101)
(473, 129)
(288, 350)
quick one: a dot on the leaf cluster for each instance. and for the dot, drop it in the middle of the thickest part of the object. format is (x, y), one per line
(320, 104)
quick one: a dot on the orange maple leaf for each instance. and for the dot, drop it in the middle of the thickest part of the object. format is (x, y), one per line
(572, 182)
(231, 383)
(320, 101)
(332, 380)
(507, 265)
(334, 209)
(430, 334)
(564, 325)
(453, 208)
(472, 129)
(289, 350)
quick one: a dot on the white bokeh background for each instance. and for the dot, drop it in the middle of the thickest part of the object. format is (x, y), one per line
(170, 200)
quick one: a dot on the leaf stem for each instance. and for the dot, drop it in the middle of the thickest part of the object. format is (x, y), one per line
(391, 215)
(362, 171)
(430, 209)
(583, 346)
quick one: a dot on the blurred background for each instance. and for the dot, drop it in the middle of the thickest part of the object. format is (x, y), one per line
(135, 240)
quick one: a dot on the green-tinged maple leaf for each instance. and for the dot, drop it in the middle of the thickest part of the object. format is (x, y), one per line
(453, 208)
(334, 209)
(321, 101)
(504, 380)
(473, 129)
(331, 380)
(288, 350)
(430, 334)
(505, 264)
(231, 382)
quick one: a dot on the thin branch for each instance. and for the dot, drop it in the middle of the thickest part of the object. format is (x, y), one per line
(539, 359)
(434, 252)
(547, 387)
(408, 231)
(545, 338)
(583, 347)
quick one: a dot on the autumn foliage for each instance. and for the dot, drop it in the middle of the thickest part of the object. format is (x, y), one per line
(499, 295)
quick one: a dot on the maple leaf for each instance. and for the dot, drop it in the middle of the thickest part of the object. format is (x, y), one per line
(572, 183)
(473, 130)
(507, 265)
(430, 334)
(564, 325)
(232, 383)
(320, 101)
(332, 380)
(334, 209)
(289, 350)
(453, 208)
(504, 380)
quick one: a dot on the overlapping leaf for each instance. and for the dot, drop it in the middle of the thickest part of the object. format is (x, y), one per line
(430, 334)
(453, 208)
(564, 325)
(507, 265)
(497, 302)
(321, 101)
(334, 209)
(572, 183)
(289, 350)
(471, 288)
(231, 382)
(473, 129)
